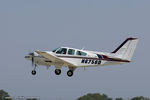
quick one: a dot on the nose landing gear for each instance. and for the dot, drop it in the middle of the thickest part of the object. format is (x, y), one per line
(34, 71)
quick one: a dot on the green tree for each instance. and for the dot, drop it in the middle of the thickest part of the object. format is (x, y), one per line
(105, 97)
(3, 94)
(140, 98)
(94, 96)
(119, 98)
(32, 99)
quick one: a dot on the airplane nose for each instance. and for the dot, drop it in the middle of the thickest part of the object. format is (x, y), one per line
(27, 57)
(31, 54)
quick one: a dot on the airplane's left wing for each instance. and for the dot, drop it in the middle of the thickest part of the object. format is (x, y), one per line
(54, 58)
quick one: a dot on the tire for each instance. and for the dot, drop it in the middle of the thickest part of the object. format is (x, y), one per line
(57, 71)
(33, 72)
(70, 73)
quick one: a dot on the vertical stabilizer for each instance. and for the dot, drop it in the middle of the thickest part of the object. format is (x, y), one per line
(126, 49)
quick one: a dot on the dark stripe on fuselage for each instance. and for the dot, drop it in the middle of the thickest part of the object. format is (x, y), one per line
(77, 57)
(99, 56)
(119, 60)
(107, 59)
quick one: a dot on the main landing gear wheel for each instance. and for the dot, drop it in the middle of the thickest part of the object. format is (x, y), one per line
(33, 72)
(70, 73)
(57, 71)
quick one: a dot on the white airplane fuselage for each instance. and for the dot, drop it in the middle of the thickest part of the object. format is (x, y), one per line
(92, 59)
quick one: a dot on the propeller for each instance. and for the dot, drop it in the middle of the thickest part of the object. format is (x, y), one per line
(32, 58)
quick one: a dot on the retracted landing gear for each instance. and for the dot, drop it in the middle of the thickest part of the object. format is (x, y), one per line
(70, 73)
(57, 71)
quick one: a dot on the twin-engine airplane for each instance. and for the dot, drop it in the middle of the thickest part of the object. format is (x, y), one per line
(74, 58)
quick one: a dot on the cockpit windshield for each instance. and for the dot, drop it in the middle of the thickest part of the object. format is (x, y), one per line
(61, 51)
(55, 50)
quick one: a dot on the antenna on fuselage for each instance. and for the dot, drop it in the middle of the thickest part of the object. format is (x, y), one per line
(82, 48)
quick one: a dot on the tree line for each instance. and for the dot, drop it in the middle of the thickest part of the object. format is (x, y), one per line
(89, 96)
(98, 96)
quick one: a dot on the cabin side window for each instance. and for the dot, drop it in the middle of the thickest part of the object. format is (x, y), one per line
(71, 52)
(80, 53)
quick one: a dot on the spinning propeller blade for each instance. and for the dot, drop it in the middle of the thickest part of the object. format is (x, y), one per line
(32, 58)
